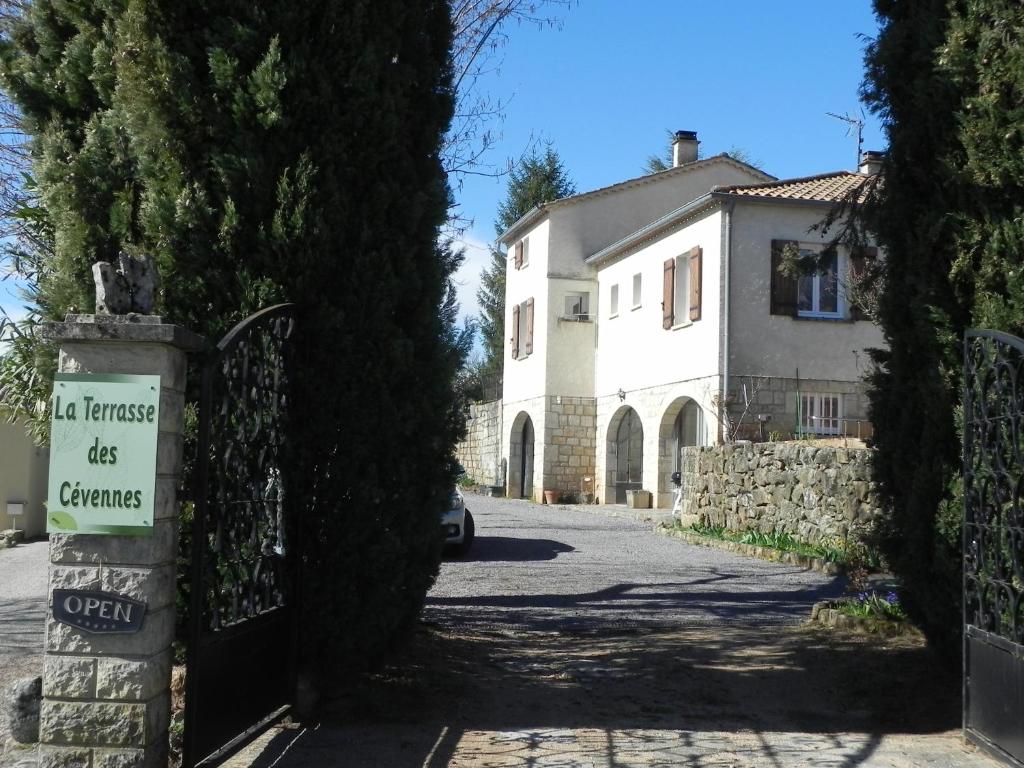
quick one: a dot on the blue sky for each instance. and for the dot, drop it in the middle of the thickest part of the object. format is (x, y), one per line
(605, 87)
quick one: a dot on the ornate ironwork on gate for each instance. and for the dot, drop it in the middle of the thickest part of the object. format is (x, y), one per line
(993, 542)
(240, 639)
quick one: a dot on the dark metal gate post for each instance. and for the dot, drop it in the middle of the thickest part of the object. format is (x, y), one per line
(241, 621)
(993, 543)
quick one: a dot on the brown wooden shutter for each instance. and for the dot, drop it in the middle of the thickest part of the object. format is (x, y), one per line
(858, 269)
(668, 317)
(519, 255)
(515, 332)
(696, 257)
(784, 296)
(529, 326)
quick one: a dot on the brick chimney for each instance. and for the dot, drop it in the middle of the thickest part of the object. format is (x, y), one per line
(684, 148)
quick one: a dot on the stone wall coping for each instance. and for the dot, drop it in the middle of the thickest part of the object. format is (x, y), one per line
(141, 329)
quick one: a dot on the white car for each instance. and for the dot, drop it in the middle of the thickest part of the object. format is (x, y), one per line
(457, 523)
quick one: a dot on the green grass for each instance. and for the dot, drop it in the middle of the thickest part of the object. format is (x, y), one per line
(871, 605)
(784, 542)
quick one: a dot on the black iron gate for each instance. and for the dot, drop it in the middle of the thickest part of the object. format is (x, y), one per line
(993, 541)
(241, 635)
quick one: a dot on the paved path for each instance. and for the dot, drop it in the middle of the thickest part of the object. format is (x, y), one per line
(23, 574)
(574, 639)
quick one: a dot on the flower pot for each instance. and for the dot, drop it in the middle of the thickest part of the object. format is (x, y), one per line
(551, 497)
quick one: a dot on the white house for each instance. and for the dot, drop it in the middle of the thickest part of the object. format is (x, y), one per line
(650, 315)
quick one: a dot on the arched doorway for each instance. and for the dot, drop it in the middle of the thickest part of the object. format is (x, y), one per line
(687, 429)
(681, 425)
(625, 462)
(520, 459)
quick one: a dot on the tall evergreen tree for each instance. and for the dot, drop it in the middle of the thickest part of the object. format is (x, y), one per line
(539, 178)
(278, 150)
(948, 81)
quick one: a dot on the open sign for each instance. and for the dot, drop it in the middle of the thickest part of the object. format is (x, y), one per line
(100, 612)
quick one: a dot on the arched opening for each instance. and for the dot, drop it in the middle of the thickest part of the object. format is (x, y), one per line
(520, 459)
(681, 425)
(625, 455)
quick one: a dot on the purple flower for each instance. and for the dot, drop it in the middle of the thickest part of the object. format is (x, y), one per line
(891, 598)
(862, 597)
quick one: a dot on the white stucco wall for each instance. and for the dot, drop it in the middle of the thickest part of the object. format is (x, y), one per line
(634, 351)
(570, 345)
(23, 474)
(584, 227)
(525, 378)
(764, 344)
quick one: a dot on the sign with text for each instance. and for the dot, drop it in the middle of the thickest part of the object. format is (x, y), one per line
(103, 435)
(100, 612)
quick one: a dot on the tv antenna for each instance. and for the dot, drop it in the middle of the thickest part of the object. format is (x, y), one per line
(853, 124)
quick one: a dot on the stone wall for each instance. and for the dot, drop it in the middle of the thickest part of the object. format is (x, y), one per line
(812, 493)
(776, 398)
(570, 443)
(480, 452)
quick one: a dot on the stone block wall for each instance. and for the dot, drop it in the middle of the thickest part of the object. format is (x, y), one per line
(777, 397)
(480, 452)
(570, 443)
(812, 493)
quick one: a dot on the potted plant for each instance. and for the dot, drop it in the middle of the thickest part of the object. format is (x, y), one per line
(550, 496)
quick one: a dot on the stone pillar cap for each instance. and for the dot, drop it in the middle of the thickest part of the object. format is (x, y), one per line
(141, 329)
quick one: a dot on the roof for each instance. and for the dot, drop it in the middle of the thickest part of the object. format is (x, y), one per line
(824, 188)
(531, 216)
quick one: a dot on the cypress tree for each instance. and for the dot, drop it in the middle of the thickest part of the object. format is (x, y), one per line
(279, 151)
(539, 178)
(947, 79)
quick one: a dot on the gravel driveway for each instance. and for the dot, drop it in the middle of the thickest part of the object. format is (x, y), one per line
(23, 577)
(558, 568)
(572, 638)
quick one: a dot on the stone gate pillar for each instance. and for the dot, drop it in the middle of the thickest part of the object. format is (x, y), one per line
(106, 697)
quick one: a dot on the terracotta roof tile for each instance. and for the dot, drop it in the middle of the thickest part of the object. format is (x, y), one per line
(827, 187)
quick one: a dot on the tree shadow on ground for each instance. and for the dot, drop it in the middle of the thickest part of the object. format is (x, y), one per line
(711, 597)
(507, 549)
(691, 696)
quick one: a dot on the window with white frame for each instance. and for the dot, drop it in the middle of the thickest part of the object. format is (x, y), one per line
(821, 414)
(681, 289)
(681, 300)
(637, 290)
(818, 293)
(613, 301)
(577, 306)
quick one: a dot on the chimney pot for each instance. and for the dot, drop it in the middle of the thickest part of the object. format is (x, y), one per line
(684, 148)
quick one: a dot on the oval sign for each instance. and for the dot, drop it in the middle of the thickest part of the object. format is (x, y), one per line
(99, 612)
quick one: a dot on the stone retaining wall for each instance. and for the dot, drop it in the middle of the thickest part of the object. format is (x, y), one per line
(812, 493)
(480, 452)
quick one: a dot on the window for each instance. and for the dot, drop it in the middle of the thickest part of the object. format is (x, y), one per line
(817, 295)
(522, 253)
(681, 296)
(613, 301)
(820, 414)
(522, 329)
(636, 290)
(577, 306)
